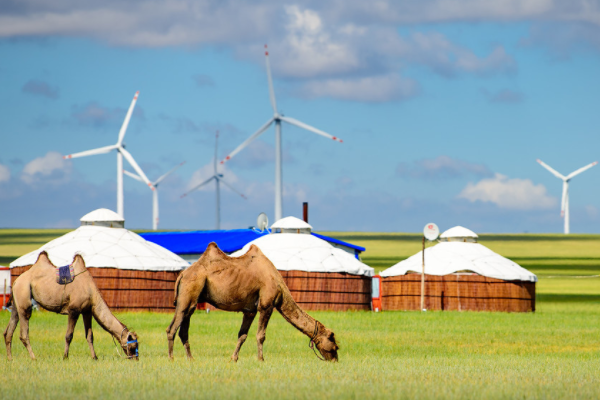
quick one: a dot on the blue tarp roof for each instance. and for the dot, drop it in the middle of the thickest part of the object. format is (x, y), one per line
(195, 242)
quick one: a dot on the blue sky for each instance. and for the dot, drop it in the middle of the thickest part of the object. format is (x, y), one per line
(443, 107)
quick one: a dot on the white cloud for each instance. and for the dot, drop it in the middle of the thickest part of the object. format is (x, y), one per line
(371, 89)
(4, 173)
(49, 169)
(514, 194)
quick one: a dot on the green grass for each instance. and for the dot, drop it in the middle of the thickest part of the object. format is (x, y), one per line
(552, 353)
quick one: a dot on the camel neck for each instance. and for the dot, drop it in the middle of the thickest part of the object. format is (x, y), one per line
(109, 322)
(296, 316)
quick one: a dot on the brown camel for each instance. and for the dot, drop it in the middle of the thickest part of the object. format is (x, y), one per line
(249, 284)
(78, 297)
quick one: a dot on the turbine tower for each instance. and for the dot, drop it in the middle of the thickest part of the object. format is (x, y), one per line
(564, 208)
(218, 178)
(121, 152)
(155, 191)
(277, 118)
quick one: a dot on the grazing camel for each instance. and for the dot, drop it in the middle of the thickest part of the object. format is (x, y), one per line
(80, 297)
(249, 284)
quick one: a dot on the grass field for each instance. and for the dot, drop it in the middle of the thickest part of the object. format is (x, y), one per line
(552, 353)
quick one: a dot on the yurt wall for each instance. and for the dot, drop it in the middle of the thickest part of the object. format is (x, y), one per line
(461, 292)
(130, 290)
(329, 290)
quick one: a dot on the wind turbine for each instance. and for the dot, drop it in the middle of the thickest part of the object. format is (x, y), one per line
(277, 118)
(564, 209)
(121, 152)
(218, 178)
(155, 192)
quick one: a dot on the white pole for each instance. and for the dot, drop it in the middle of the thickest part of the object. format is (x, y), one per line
(423, 279)
(120, 209)
(567, 228)
(278, 173)
(155, 208)
(218, 193)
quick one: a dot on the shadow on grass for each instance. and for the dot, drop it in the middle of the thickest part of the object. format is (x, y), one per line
(568, 298)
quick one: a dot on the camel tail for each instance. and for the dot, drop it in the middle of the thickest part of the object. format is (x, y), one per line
(176, 291)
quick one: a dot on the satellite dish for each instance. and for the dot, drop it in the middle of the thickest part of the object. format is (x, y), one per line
(431, 231)
(262, 221)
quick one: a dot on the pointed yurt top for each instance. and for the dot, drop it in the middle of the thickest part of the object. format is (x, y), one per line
(461, 255)
(105, 247)
(300, 252)
(103, 217)
(291, 225)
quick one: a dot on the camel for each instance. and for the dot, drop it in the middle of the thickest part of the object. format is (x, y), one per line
(249, 284)
(80, 297)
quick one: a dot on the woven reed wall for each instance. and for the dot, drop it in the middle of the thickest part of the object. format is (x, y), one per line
(128, 290)
(329, 290)
(457, 292)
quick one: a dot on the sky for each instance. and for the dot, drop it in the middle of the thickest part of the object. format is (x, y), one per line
(443, 107)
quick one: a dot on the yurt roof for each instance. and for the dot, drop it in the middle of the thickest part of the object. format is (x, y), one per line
(294, 252)
(291, 223)
(450, 257)
(104, 247)
(101, 215)
(458, 231)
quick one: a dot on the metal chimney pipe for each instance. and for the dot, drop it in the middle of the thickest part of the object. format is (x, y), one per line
(305, 211)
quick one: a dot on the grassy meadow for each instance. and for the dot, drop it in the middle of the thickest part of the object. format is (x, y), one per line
(552, 353)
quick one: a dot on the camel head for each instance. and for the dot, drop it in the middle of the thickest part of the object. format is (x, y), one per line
(325, 342)
(130, 346)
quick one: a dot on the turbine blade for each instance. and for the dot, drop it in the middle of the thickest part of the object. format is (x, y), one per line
(247, 141)
(101, 150)
(310, 128)
(565, 194)
(580, 170)
(136, 167)
(159, 180)
(231, 187)
(198, 186)
(552, 171)
(132, 175)
(127, 118)
(270, 79)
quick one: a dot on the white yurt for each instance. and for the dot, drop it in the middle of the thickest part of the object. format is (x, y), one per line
(131, 273)
(461, 274)
(319, 276)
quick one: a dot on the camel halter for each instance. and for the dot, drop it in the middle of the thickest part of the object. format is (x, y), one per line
(128, 342)
(311, 343)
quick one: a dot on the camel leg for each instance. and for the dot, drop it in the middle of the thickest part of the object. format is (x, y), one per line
(89, 335)
(10, 329)
(183, 335)
(243, 334)
(73, 317)
(263, 321)
(24, 315)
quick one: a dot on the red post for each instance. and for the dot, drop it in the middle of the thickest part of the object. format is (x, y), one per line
(305, 211)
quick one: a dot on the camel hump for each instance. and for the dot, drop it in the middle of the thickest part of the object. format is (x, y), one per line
(79, 263)
(43, 257)
(212, 251)
(254, 250)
